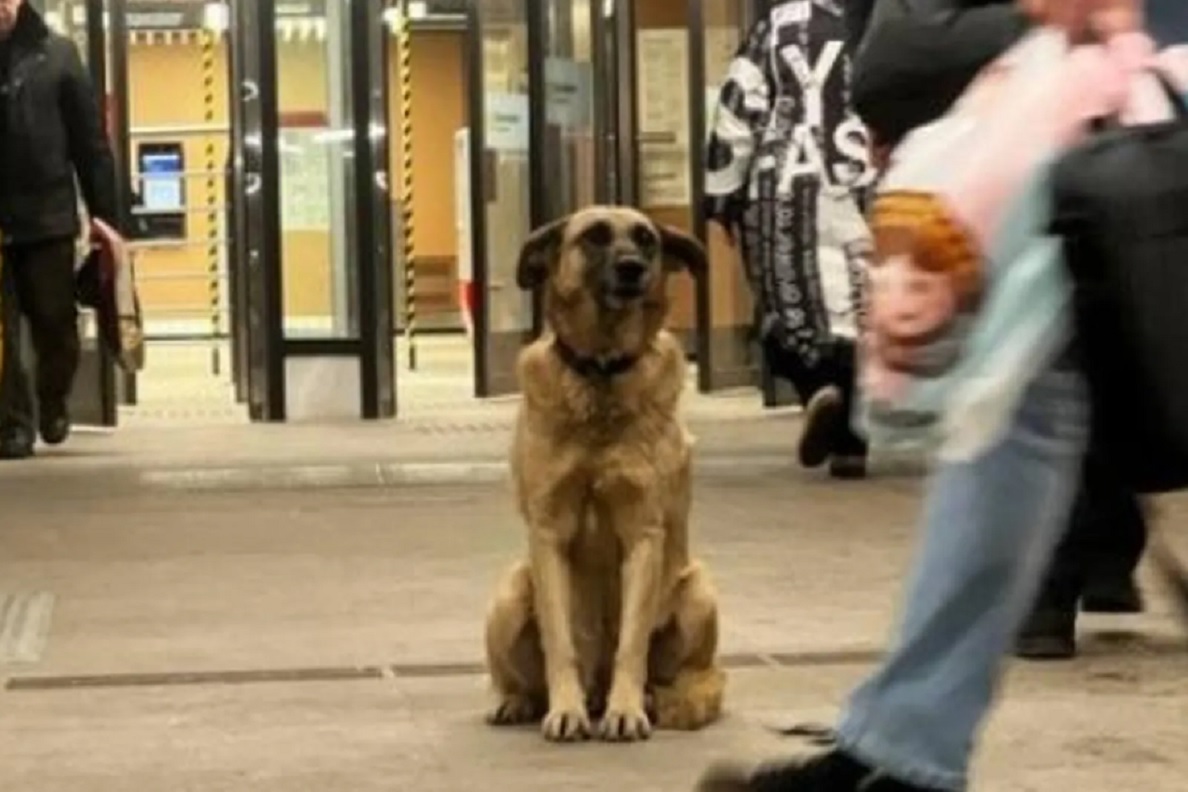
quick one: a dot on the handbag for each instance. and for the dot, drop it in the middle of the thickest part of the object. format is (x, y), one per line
(1120, 200)
(106, 282)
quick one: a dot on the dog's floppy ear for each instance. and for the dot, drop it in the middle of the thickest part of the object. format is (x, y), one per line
(538, 252)
(681, 250)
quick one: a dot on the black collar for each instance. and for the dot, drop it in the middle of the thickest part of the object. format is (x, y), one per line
(30, 29)
(593, 368)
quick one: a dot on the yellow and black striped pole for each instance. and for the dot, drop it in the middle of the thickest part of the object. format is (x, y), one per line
(211, 162)
(404, 45)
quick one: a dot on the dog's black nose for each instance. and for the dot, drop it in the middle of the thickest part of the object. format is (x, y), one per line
(630, 271)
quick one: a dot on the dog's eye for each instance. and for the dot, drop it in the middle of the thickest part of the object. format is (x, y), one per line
(599, 235)
(645, 239)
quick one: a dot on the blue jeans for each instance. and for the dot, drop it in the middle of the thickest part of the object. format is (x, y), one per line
(990, 527)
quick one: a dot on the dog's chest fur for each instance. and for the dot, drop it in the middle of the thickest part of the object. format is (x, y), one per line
(596, 560)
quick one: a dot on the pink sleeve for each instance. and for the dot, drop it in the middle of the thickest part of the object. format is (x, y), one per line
(1174, 61)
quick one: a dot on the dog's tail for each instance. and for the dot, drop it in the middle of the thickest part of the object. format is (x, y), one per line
(693, 700)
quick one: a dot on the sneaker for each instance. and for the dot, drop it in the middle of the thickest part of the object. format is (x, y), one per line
(829, 772)
(54, 424)
(1112, 594)
(822, 416)
(16, 444)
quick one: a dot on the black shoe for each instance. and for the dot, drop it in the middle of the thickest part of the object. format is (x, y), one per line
(16, 444)
(822, 417)
(1112, 594)
(54, 424)
(1049, 634)
(829, 772)
(847, 468)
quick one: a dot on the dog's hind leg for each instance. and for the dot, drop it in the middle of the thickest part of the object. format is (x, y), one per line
(687, 684)
(515, 659)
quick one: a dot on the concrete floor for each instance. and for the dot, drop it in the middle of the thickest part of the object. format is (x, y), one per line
(329, 639)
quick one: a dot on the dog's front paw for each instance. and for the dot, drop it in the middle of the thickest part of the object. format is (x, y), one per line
(567, 723)
(625, 723)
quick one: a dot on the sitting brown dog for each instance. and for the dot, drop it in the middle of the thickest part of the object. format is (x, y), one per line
(609, 616)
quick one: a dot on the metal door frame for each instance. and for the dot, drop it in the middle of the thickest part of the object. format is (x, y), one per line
(751, 11)
(373, 232)
(254, 49)
(480, 180)
(703, 301)
(97, 367)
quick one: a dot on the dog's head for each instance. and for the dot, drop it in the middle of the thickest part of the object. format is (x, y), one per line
(614, 258)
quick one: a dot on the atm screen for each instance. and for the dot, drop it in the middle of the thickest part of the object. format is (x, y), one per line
(162, 181)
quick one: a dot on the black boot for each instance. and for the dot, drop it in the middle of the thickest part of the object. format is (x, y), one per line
(1050, 632)
(54, 423)
(16, 443)
(847, 468)
(1112, 594)
(829, 772)
(822, 416)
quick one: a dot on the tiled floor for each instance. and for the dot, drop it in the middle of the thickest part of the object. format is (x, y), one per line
(333, 637)
(179, 387)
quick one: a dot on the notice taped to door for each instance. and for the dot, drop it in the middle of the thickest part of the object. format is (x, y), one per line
(663, 80)
(305, 180)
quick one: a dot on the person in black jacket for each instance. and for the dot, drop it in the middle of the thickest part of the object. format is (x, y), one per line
(989, 523)
(51, 136)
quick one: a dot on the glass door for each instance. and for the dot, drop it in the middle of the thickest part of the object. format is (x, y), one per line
(310, 176)
(500, 179)
(567, 161)
(660, 50)
(725, 311)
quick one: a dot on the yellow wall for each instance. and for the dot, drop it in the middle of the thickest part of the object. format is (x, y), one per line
(166, 90)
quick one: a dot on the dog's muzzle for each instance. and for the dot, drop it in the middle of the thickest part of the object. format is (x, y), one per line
(628, 278)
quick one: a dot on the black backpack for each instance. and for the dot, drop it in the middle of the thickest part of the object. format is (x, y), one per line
(1121, 204)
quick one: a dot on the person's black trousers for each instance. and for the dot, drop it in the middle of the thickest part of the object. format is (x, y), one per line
(838, 369)
(1105, 538)
(38, 282)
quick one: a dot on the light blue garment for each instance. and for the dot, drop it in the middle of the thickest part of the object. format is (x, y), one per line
(989, 529)
(1021, 326)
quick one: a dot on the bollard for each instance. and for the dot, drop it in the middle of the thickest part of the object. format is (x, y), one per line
(404, 42)
(209, 42)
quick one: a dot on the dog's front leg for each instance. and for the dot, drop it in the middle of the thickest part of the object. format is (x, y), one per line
(626, 717)
(567, 718)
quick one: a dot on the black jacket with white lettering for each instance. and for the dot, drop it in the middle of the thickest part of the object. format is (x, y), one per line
(51, 132)
(786, 159)
(917, 56)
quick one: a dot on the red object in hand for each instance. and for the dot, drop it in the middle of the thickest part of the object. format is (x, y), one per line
(106, 282)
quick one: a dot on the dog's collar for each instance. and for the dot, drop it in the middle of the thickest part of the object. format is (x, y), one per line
(593, 368)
